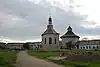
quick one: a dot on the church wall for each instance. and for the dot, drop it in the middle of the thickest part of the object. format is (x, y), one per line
(48, 46)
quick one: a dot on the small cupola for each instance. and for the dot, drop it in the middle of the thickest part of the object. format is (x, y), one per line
(69, 28)
(50, 29)
(69, 34)
(50, 20)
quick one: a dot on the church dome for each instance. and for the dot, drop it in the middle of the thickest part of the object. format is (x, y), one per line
(50, 29)
(69, 34)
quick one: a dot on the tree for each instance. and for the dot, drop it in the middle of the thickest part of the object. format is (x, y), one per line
(77, 44)
(26, 46)
(69, 45)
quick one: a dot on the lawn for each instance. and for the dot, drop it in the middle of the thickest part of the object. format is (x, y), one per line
(67, 63)
(7, 58)
(44, 55)
(85, 51)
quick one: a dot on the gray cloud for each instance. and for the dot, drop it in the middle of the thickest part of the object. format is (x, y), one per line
(24, 20)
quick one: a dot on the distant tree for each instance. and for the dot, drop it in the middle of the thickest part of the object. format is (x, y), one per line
(69, 45)
(26, 46)
(2, 47)
(84, 39)
(77, 44)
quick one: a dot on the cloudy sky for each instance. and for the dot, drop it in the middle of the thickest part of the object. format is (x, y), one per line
(26, 20)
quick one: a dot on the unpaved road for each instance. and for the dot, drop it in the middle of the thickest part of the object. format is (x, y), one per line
(24, 60)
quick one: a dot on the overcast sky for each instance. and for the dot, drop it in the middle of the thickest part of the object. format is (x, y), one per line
(26, 20)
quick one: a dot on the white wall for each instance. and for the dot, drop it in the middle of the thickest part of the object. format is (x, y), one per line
(65, 40)
(91, 47)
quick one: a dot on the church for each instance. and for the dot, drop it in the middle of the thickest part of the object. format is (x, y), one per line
(50, 39)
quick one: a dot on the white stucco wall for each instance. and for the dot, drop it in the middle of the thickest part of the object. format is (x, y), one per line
(65, 40)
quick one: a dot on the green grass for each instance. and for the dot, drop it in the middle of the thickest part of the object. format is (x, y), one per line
(44, 55)
(67, 63)
(93, 51)
(7, 59)
(71, 63)
(77, 63)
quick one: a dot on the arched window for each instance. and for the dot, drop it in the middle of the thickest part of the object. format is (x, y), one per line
(45, 40)
(86, 47)
(97, 47)
(89, 47)
(50, 40)
(93, 47)
(83, 47)
(55, 40)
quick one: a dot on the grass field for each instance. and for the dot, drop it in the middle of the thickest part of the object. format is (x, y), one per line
(44, 55)
(67, 63)
(7, 58)
(85, 51)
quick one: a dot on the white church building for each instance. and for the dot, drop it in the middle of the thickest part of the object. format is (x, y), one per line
(50, 38)
(69, 36)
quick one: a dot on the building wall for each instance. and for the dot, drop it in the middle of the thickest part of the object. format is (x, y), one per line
(15, 46)
(89, 47)
(50, 47)
(20, 45)
(66, 40)
(35, 45)
(89, 44)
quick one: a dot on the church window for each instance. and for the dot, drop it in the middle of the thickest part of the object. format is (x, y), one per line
(45, 40)
(50, 40)
(55, 40)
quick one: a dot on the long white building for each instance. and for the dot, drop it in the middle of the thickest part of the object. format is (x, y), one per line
(88, 44)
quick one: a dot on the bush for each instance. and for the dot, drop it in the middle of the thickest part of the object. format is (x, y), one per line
(26, 46)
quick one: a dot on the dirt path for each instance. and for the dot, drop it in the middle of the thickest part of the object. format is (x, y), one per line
(24, 60)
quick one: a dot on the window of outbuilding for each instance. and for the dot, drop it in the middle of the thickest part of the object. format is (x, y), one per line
(93, 47)
(89, 47)
(97, 47)
(83, 47)
(86, 47)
